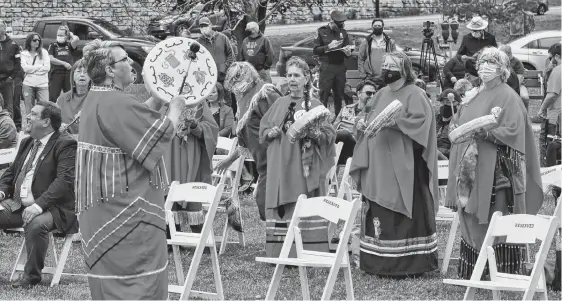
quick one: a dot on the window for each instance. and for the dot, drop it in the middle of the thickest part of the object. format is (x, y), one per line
(547, 42)
(50, 31)
(532, 45)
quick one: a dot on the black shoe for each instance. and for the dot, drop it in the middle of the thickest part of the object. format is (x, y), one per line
(25, 282)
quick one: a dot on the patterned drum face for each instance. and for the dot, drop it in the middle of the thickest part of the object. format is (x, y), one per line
(168, 63)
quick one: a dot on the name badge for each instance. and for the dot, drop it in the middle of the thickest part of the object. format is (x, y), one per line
(341, 35)
(24, 191)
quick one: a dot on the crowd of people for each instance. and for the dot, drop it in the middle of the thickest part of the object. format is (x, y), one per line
(75, 164)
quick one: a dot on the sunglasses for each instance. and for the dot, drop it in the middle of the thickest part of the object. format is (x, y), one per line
(36, 40)
(369, 93)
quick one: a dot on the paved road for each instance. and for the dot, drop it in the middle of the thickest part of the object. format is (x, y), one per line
(400, 21)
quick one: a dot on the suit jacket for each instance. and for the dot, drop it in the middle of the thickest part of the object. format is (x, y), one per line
(226, 121)
(53, 181)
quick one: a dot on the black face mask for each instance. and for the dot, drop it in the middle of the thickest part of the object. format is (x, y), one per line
(340, 25)
(377, 31)
(389, 76)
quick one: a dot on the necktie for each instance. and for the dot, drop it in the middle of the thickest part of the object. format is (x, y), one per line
(24, 171)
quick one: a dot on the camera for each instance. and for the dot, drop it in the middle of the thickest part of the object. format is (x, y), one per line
(428, 27)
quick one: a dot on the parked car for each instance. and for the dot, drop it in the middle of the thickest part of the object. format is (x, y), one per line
(173, 24)
(88, 29)
(303, 48)
(532, 49)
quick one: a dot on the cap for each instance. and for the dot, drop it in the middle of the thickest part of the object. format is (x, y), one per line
(205, 21)
(252, 26)
(338, 16)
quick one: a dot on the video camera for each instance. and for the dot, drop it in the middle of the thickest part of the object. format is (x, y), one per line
(428, 31)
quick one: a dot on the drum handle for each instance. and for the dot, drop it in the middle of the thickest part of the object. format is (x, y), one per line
(185, 77)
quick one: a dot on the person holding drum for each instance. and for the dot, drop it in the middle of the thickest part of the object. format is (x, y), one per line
(296, 167)
(189, 158)
(395, 170)
(120, 181)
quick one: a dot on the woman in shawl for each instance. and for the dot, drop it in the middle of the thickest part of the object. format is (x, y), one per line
(498, 170)
(71, 102)
(396, 172)
(189, 158)
(295, 168)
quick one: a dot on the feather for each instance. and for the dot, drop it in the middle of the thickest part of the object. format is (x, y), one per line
(232, 206)
(261, 94)
(467, 174)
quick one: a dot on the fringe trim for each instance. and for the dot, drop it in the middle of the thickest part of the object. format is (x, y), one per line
(511, 159)
(253, 104)
(191, 218)
(509, 258)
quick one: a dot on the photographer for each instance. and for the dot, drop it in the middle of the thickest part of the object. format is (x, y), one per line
(476, 40)
(60, 53)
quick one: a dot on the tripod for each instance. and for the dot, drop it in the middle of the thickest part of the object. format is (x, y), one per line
(428, 54)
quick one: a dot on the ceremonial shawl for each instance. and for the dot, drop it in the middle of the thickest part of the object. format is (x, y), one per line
(514, 131)
(383, 166)
(285, 175)
(257, 99)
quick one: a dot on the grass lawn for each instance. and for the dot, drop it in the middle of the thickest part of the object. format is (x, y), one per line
(245, 279)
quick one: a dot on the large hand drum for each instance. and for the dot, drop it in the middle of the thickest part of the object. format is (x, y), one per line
(167, 65)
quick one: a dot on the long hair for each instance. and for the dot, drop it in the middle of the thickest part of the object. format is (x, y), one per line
(98, 58)
(303, 66)
(498, 57)
(220, 93)
(27, 45)
(405, 65)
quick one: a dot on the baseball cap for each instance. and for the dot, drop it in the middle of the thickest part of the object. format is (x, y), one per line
(205, 21)
(338, 16)
(252, 26)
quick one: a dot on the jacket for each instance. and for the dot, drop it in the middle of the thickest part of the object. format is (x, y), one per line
(36, 69)
(453, 68)
(258, 52)
(53, 181)
(324, 37)
(8, 132)
(221, 50)
(364, 55)
(10, 60)
(470, 45)
(226, 120)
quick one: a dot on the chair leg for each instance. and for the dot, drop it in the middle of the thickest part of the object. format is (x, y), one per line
(62, 260)
(20, 260)
(469, 294)
(496, 295)
(329, 288)
(304, 283)
(177, 262)
(217, 272)
(54, 246)
(224, 241)
(348, 282)
(450, 243)
(275, 281)
(192, 272)
(241, 237)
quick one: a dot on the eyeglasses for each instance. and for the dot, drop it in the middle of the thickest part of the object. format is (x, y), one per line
(125, 59)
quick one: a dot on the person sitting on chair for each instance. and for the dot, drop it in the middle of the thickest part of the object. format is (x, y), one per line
(37, 190)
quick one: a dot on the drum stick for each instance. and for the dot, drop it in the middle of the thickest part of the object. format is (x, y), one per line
(76, 118)
(193, 49)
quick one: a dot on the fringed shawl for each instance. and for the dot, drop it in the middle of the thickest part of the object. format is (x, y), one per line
(515, 132)
(246, 106)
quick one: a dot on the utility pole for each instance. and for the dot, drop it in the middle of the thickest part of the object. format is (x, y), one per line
(377, 8)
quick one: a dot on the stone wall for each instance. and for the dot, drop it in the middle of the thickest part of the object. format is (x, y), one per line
(135, 15)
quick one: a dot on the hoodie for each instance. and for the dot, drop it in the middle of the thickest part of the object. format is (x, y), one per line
(258, 52)
(364, 65)
(10, 64)
(221, 50)
(8, 132)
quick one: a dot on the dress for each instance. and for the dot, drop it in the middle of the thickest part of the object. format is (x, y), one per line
(396, 172)
(286, 180)
(190, 155)
(120, 196)
(507, 176)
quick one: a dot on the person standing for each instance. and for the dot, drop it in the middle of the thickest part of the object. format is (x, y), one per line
(396, 172)
(257, 50)
(121, 180)
(332, 47)
(10, 68)
(62, 59)
(550, 108)
(519, 70)
(372, 51)
(36, 64)
(477, 39)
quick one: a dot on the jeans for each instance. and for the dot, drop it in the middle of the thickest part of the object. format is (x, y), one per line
(36, 238)
(7, 91)
(17, 102)
(332, 78)
(31, 95)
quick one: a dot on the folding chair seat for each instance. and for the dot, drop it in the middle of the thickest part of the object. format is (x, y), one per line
(333, 209)
(60, 262)
(517, 229)
(207, 195)
(227, 145)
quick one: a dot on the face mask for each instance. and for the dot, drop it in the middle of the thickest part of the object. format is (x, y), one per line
(377, 31)
(206, 31)
(390, 76)
(476, 34)
(340, 25)
(61, 40)
(488, 72)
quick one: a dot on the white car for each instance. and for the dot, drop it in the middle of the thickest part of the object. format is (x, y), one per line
(532, 49)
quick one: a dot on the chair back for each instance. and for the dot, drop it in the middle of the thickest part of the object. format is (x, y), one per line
(227, 144)
(520, 228)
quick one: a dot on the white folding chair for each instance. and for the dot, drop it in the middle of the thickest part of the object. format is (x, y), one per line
(344, 192)
(517, 229)
(228, 145)
(333, 209)
(194, 193)
(60, 262)
(445, 214)
(332, 176)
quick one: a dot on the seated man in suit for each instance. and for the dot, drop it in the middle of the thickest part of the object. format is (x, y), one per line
(37, 190)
